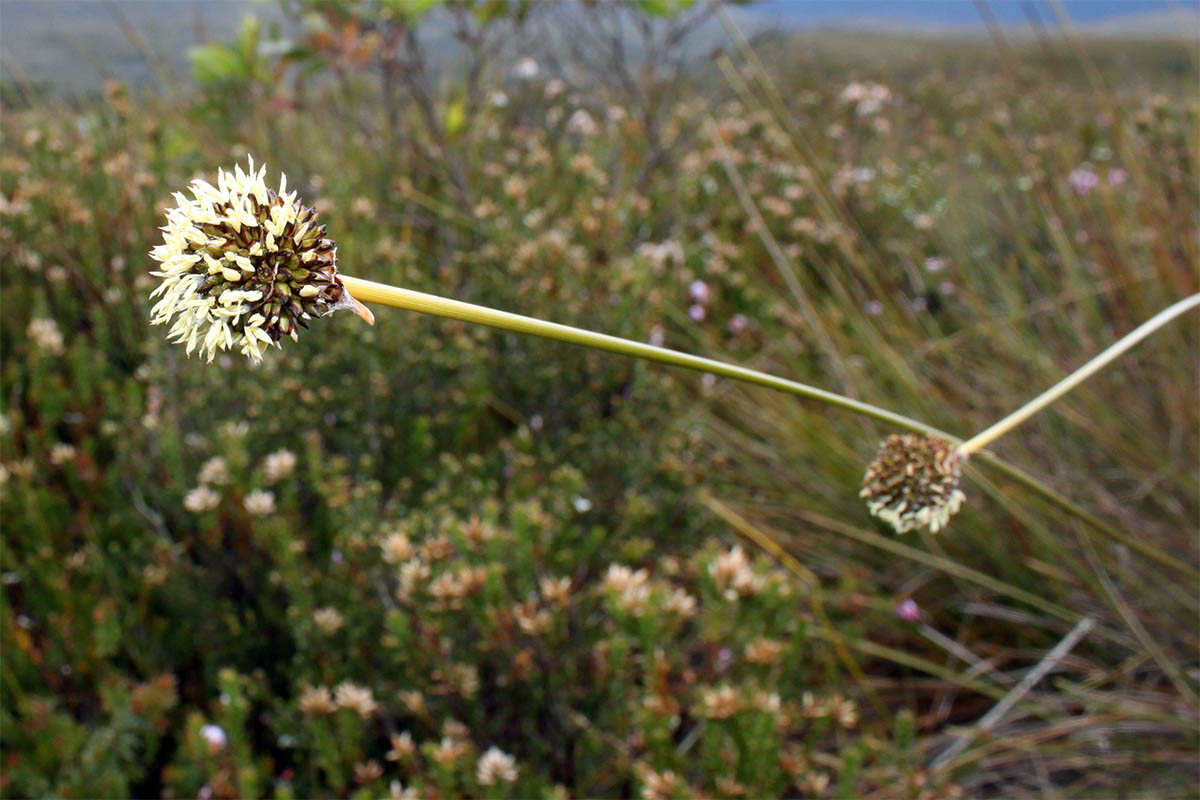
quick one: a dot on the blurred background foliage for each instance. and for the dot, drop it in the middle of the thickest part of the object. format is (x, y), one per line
(358, 567)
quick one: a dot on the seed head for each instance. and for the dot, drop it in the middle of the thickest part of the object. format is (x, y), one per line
(913, 482)
(244, 266)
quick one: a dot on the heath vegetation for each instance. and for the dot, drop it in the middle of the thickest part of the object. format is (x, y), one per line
(432, 559)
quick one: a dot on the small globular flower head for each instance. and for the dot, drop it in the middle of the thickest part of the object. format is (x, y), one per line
(659, 785)
(397, 549)
(447, 752)
(259, 503)
(721, 702)
(1083, 180)
(402, 746)
(396, 791)
(215, 471)
(733, 574)
(764, 652)
(365, 772)
(61, 453)
(913, 482)
(243, 266)
(495, 766)
(45, 334)
(356, 698)
(201, 499)
(317, 700)
(329, 620)
(279, 465)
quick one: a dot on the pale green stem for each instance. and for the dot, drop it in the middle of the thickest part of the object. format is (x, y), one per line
(371, 292)
(1080, 375)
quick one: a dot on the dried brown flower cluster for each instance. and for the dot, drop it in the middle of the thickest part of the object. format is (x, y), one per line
(913, 482)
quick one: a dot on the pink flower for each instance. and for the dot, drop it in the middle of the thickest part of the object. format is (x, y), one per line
(1082, 180)
(1117, 176)
(697, 313)
(699, 292)
(908, 611)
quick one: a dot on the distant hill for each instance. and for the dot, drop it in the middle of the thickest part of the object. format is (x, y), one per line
(1102, 17)
(70, 47)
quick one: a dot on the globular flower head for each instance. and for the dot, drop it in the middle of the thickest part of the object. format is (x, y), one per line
(913, 482)
(244, 265)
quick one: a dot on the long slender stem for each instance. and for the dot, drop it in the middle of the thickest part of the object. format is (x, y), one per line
(372, 292)
(1080, 375)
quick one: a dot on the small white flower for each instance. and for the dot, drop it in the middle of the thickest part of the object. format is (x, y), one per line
(329, 620)
(396, 791)
(357, 698)
(201, 499)
(396, 548)
(525, 69)
(260, 503)
(45, 334)
(630, 588)
(279, 465)
(681, 603)
(61, 453)
(733, 574)
(581, 122)
(214, 735)
(214, 472)
(495, 765)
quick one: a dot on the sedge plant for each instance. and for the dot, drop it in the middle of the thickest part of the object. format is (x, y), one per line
(244, 266)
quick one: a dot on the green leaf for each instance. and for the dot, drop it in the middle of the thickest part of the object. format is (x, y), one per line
(247, 40)
(410, 10)
(456, 117)
(663, 8)
(214, 63)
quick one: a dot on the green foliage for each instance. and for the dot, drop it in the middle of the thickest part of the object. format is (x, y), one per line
(663, 8)
(354, 569)
(235, 63)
